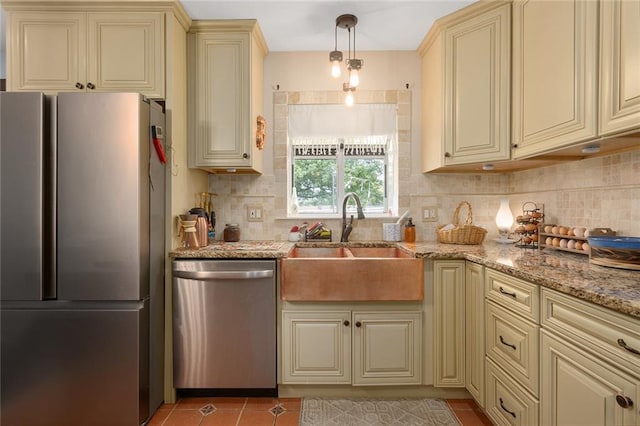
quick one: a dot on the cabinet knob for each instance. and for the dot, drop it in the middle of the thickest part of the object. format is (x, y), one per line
(447, 155)
(346, 323)
(79, 86)
(90, 86)
(624, 401)
(514, 145)
(358, 324)
(245, 155)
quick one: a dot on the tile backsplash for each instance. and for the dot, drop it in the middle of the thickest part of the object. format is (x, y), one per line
(596, 192)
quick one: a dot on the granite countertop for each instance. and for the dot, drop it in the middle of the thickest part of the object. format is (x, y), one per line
(617, 289)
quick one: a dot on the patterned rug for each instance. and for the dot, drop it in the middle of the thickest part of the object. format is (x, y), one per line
(378, 412)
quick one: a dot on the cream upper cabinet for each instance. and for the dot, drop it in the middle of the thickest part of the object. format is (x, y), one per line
(449, 322)
(317, 347)
(555, 53)
(619, 66)
(474, 331)
(466, 87)
(80, 51)
(225, 95)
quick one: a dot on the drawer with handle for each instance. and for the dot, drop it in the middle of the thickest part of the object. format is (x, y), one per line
(513, 344)
(592, 326)
(513, 293)
(508, 403)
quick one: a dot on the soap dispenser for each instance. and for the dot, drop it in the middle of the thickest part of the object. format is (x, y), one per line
(410, 232)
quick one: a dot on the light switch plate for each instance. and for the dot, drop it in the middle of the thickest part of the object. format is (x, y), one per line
(430, 213)
(255, 213)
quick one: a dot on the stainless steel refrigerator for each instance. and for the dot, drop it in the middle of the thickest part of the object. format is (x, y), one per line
(81, 259)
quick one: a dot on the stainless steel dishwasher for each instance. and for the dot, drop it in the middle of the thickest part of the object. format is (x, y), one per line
(224, 324)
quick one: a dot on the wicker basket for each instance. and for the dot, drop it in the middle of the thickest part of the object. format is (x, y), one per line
(465, 233)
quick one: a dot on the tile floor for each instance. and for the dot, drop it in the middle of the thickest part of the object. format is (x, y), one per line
(268, 411)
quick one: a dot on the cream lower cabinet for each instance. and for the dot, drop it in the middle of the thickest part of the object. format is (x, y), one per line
(352, 347)
(225, 95)
(474, 331)
(512, 349)
(619, 66)
(554, 74)
(449, 323)
(72, 50)
(466, 87)
(580, 389)
(590, 367)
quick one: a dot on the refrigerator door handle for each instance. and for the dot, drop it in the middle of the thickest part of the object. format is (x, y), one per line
(225, 275)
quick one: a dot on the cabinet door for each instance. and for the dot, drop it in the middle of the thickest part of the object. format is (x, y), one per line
(449, 305)
(554, 74)
(474, 331)
(316, 347)
(619, 66)
(580, 389)
(477, 88)
(387, 348)
(46, 51)
(126, 53)
(220, 89)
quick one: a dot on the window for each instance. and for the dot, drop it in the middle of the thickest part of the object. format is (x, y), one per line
(333, 153)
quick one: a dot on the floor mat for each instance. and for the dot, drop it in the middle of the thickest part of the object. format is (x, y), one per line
(375, 412)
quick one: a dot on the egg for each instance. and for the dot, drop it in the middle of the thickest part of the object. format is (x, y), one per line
(562, 230)
(530, 227)
(571, 244)
(570, 233)
(556, 242)
(536, 215)
(548, 229)
(520, 229)
(578, 231)
(586, 233)
(526, 240)
(548, 241)
(554, 230)
(563, 243)
(578, 245)
(585, 247)
(534, 238)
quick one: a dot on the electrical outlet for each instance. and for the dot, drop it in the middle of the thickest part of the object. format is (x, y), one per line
(254, 213)
(430, 214)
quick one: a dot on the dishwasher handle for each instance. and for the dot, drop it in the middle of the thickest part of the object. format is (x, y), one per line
(223, 275)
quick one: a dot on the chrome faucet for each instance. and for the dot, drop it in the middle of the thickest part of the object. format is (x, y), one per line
(346, 229)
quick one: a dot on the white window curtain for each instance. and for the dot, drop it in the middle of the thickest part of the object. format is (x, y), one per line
(339, 121)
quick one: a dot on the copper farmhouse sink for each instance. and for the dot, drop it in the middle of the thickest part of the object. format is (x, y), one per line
(351, 274)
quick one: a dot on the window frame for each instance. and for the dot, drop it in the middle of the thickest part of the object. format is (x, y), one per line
(341, 158)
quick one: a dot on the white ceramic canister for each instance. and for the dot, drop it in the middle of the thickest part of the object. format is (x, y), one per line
(391, 231)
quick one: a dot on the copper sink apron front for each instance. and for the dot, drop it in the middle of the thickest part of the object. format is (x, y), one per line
(352, 279)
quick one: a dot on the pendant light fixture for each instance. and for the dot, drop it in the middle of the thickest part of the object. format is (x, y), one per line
(354, 65)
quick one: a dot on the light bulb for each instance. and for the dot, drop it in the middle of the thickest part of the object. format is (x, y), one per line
(354, 78)
(335, 69)
(348, 100)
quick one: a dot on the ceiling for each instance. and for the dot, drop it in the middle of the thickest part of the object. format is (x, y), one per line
(308, 25)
